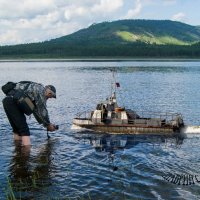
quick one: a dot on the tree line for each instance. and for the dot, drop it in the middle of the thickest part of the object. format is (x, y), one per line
(87, 49)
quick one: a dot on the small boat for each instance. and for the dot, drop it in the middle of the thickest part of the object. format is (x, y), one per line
(108, 117)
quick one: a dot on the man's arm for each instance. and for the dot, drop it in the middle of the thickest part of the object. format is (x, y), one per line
(40, 111)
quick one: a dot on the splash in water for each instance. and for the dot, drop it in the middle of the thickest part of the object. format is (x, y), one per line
(192, 130)
(74, 127)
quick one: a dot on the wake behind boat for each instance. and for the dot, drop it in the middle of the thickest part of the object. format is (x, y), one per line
(110, 118)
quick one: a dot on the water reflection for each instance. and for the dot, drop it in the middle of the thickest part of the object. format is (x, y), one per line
(28, 172)
(19, 166)
(111, 143)
(139, 68)
(133, 154)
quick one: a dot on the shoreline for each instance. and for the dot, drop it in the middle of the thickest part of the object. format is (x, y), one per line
(102, 60)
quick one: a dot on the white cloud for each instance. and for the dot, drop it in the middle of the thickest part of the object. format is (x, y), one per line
(12, 9)
(178, 17)
(72, 12)
(135, 11)
(26, 21)
(107, 6)
(37, 20)
(11, 35)
(40, 28)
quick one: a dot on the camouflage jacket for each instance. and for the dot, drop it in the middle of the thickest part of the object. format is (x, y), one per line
(36, 92)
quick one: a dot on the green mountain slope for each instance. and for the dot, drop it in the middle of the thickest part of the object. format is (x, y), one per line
(147, 31)
(124, 38)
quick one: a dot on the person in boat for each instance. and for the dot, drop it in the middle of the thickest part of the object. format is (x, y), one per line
(24, 99)
(104, 113)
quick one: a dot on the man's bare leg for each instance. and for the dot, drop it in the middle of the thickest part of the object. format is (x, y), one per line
(17, 137)
(26, 141)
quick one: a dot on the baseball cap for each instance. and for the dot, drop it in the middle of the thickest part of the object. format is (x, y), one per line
(53, 89)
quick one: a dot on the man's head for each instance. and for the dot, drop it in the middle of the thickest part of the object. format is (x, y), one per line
(50, 91)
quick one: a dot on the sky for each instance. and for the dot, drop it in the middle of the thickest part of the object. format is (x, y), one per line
(27, 21)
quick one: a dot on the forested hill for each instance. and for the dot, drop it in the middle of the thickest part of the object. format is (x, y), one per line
(129, 31)
(123, 38)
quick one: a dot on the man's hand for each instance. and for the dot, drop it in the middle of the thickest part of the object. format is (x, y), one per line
(51, 127)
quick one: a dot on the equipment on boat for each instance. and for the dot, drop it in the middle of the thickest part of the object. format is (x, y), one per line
(111, 118)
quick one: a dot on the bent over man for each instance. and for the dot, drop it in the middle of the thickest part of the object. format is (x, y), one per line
(32, 96)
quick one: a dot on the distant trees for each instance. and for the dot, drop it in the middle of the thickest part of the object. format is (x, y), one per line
(137, 49)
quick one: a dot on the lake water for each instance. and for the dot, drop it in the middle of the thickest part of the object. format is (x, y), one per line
(80, 164)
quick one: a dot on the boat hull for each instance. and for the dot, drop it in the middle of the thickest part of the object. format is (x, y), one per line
(125, 128)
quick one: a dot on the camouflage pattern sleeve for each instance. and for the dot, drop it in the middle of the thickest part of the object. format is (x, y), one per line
(36, 93)
(41, 112)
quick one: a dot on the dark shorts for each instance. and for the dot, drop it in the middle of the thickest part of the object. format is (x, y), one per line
(16, 117)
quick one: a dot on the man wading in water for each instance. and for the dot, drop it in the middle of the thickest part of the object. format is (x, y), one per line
(23, 98)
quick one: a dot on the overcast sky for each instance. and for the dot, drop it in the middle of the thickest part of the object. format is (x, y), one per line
(26, 21)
